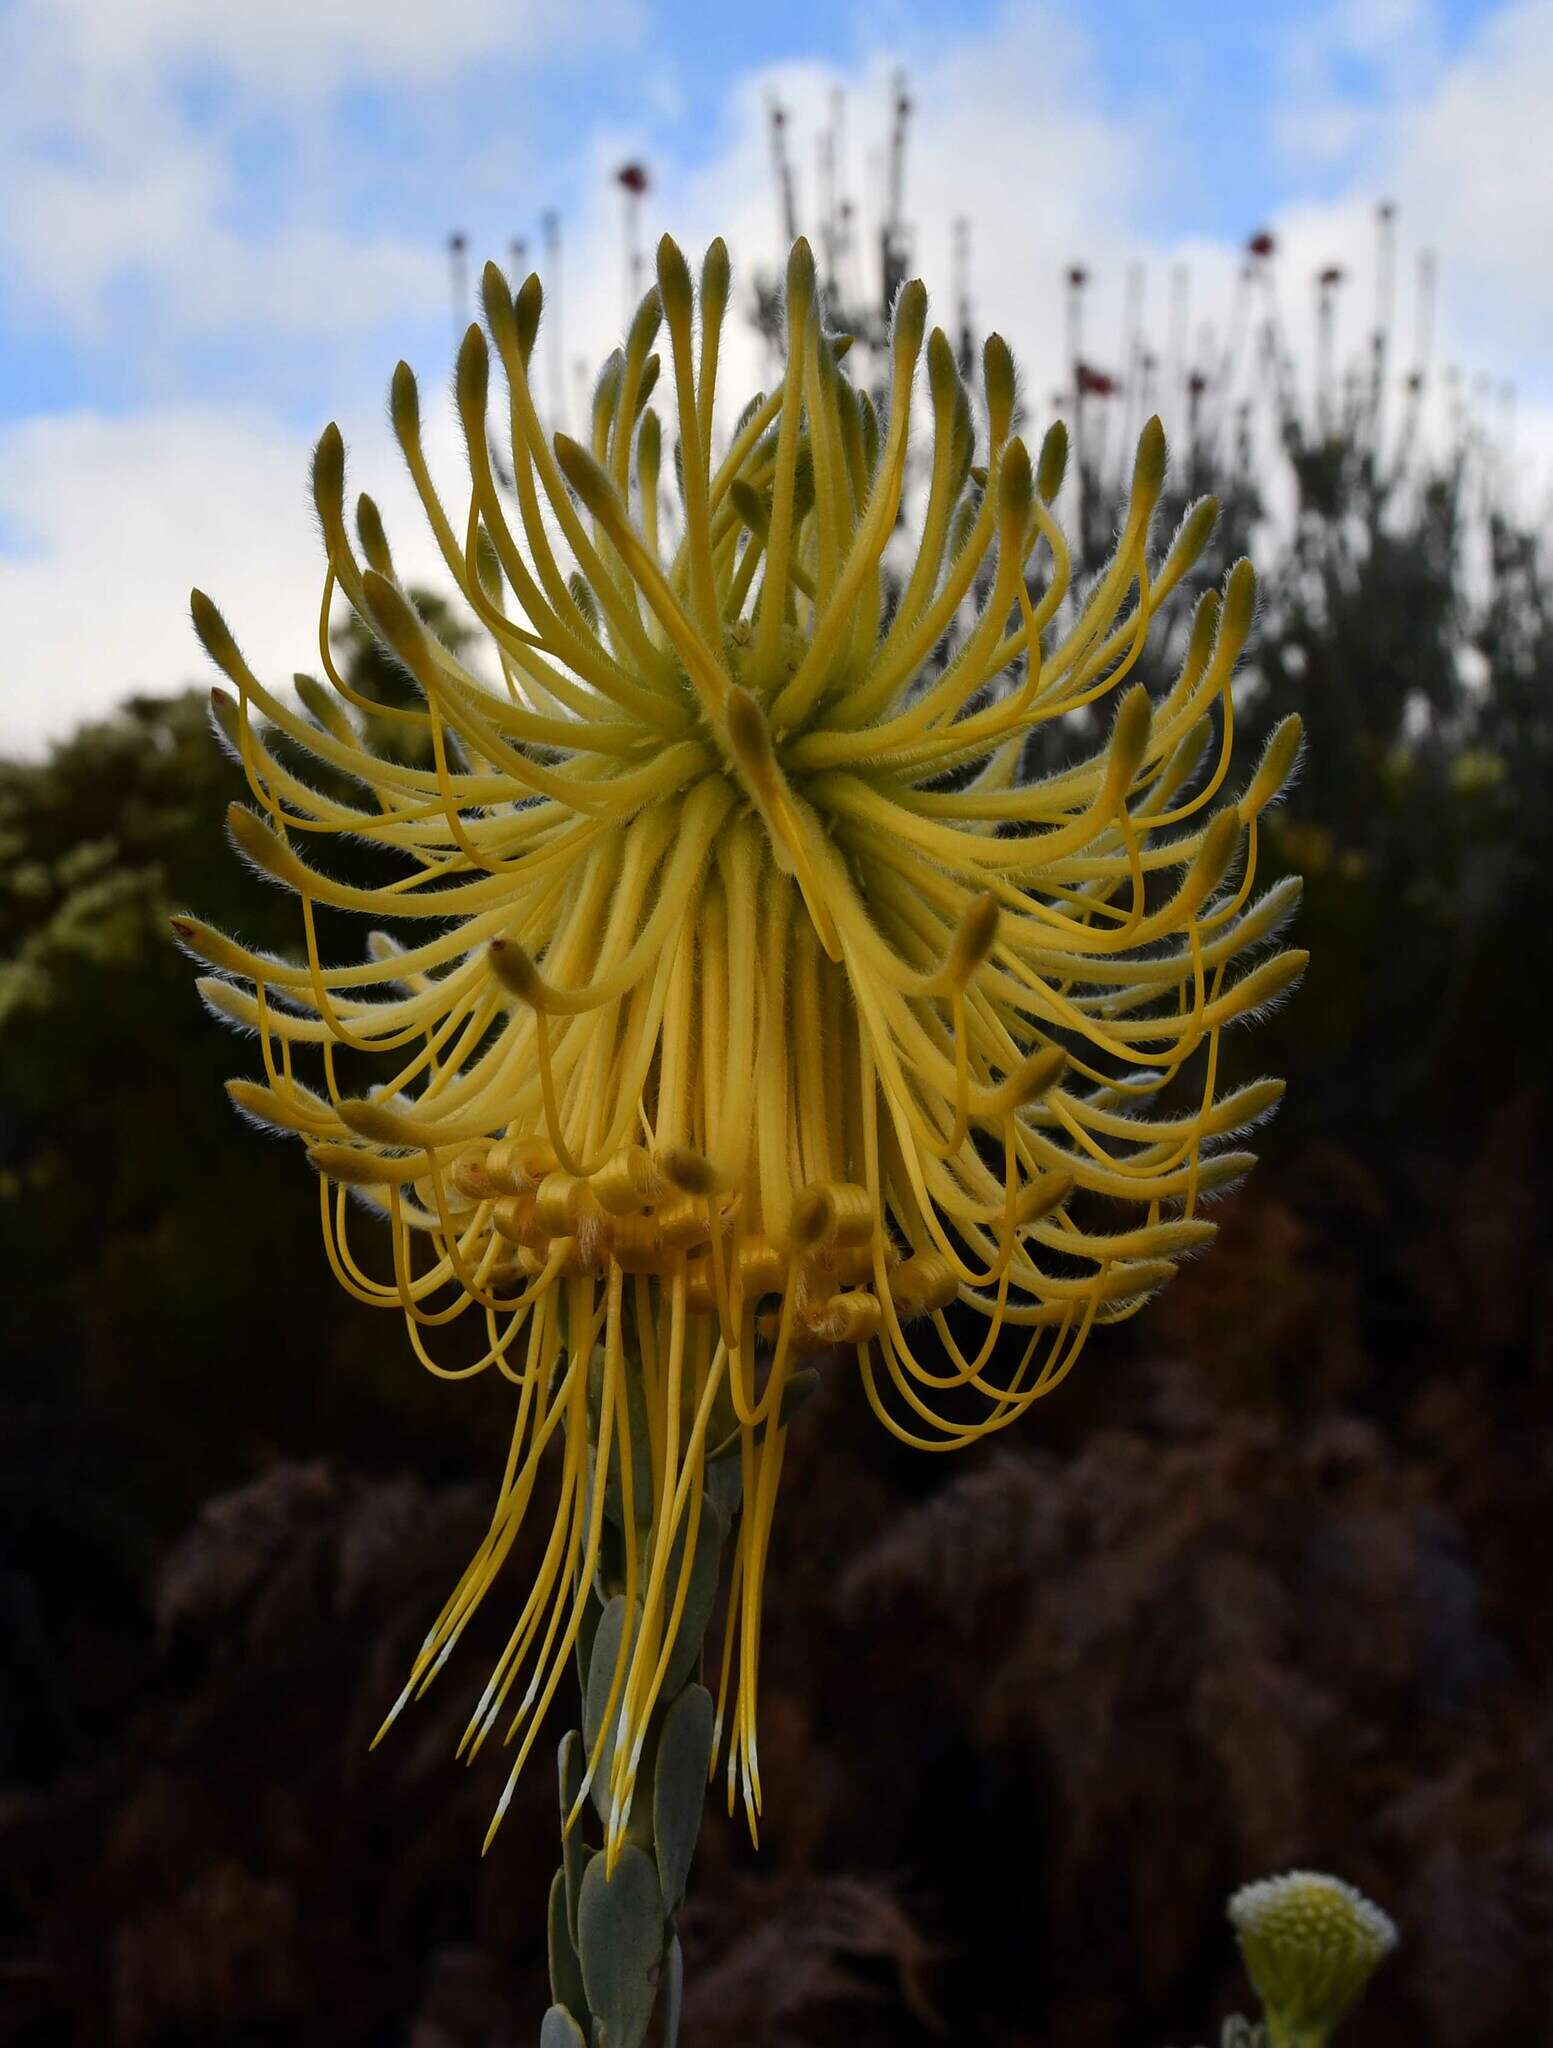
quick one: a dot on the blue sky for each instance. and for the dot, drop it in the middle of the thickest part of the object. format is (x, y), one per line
(225, 224)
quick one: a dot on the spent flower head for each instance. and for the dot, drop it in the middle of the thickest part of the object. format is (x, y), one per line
(751, 1002)
(1311, 1943)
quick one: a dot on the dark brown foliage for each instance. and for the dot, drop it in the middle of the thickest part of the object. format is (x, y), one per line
(1030, 1713)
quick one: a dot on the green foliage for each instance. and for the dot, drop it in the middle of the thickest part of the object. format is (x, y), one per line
(1405, 612)
(571, 1762)
(565, 1969)
(705, 1568)
(606, 1666)
(624, 1925)
(620, 1935)
(119, 1195)
(559, 2030)
(169, 1323)
(679, 1788)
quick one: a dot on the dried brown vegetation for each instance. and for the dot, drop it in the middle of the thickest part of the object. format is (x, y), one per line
(1030, 1714)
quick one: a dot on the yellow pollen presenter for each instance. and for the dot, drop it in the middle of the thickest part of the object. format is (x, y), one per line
(738, 1003)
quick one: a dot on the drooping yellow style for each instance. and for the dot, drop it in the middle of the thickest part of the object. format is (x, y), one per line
(765, 1008)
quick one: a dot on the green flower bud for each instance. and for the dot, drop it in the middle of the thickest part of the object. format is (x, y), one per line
(1311, 1944)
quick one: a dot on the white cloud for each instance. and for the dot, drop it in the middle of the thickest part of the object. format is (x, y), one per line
(1346, 65)
(156, 223)
(299, 48)
(120, 515)
(114, 517)
(1474, 166)
(126, 184)
(1465, 158)
(113, 520)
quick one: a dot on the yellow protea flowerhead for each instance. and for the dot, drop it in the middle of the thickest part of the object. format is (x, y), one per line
(1311, 1943)
(766, 1009)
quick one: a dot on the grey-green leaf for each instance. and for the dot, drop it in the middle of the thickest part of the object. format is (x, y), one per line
(592, 1608)
(601, 1678)
(674, 1994)
(620, 1934)
(725, 1486)
(800, 1389)
(679, 1788)
(705, 1569)
(566, 1986)
(639, 1823)
(569, 1764)
(559, 2030)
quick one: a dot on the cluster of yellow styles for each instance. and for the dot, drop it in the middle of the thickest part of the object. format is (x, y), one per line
(768, 1008)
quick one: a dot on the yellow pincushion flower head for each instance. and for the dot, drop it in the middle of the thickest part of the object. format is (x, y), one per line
(766, 1010)
(1311, 1943)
